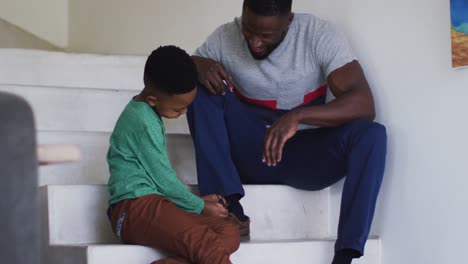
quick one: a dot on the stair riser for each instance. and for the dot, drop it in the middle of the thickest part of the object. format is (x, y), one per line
(306, 252)
(77, 214)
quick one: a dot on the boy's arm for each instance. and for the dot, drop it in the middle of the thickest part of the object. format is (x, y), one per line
(152, 154)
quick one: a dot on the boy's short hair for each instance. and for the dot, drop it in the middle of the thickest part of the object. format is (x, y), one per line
(169, 69)
(269, 7)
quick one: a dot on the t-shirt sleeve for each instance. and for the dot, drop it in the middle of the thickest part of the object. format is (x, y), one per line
(152, 154)
(211, 48)
(332, 49)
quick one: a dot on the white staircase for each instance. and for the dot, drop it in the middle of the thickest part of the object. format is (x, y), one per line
(287, 224)
(274, 252)
(77, 99)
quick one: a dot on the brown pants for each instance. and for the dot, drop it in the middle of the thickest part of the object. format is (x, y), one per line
(155, 221)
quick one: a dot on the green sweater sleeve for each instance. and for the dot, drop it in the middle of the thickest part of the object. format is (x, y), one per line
(152, 154)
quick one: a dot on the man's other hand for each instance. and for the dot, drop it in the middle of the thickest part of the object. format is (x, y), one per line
(276, 136)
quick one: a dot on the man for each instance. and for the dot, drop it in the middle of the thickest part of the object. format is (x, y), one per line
(275, 127)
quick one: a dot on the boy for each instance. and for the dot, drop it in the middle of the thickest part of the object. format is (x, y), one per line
(148, 205)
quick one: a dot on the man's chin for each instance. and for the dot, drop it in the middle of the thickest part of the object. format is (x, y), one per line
(259, 56)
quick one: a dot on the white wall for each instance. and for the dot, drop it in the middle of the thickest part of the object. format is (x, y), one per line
(405, 49)
(138, 27)
(13, 37)
(47, 19)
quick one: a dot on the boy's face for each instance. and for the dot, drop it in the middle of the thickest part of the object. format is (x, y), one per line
(172, 106)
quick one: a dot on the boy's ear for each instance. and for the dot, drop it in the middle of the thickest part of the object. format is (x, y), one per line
(151, 100)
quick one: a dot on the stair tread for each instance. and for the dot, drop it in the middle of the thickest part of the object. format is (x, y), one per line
(299, 250)
(251, 242)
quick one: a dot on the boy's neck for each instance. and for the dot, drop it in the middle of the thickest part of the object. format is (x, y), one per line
(141, 97)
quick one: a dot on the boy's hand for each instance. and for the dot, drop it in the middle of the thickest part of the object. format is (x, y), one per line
(214, 209)
(210, 198)
(215, 198)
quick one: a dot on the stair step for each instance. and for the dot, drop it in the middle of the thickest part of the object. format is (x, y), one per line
(93, 168)
(286, 251)
(80, 109)
(76, 214)
(77, 70)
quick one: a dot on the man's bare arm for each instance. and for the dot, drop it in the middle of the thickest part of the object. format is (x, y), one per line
(353, 100)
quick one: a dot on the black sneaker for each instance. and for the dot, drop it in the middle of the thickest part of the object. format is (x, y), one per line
(244, 226)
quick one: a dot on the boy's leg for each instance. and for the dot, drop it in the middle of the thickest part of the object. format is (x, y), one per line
(154, 221)
(171, 260)
(226, 230)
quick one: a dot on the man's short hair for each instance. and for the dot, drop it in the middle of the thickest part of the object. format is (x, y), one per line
(269, 7)
(169, 69)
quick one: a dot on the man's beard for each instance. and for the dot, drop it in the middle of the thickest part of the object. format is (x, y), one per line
(269, 49)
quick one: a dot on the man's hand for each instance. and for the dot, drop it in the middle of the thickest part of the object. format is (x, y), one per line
(283, 129)
(212, 74)
(214, 206)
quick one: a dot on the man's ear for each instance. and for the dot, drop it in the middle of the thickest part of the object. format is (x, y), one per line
(290, 18)
(151, 100)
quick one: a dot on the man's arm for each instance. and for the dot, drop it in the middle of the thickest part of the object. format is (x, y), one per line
(353, 100)
(212, 74)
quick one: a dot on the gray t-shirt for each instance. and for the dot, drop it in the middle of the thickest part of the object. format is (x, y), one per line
(294, 74)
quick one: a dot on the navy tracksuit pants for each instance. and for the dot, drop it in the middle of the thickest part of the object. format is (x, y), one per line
(228, 136)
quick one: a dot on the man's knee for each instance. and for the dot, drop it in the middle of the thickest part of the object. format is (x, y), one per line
(370, 130)
(204, 96)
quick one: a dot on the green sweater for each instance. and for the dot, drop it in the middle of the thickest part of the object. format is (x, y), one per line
(138, 161)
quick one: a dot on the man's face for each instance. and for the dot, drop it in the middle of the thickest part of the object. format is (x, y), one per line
(264, 33)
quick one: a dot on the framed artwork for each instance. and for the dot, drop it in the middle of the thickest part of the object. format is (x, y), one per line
(459, 20)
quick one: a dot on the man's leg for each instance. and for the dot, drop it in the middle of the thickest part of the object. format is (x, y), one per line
(312, 160)
(365, 169)
(228, 139)
(19, 206)
(154, 221)
(315, 159)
